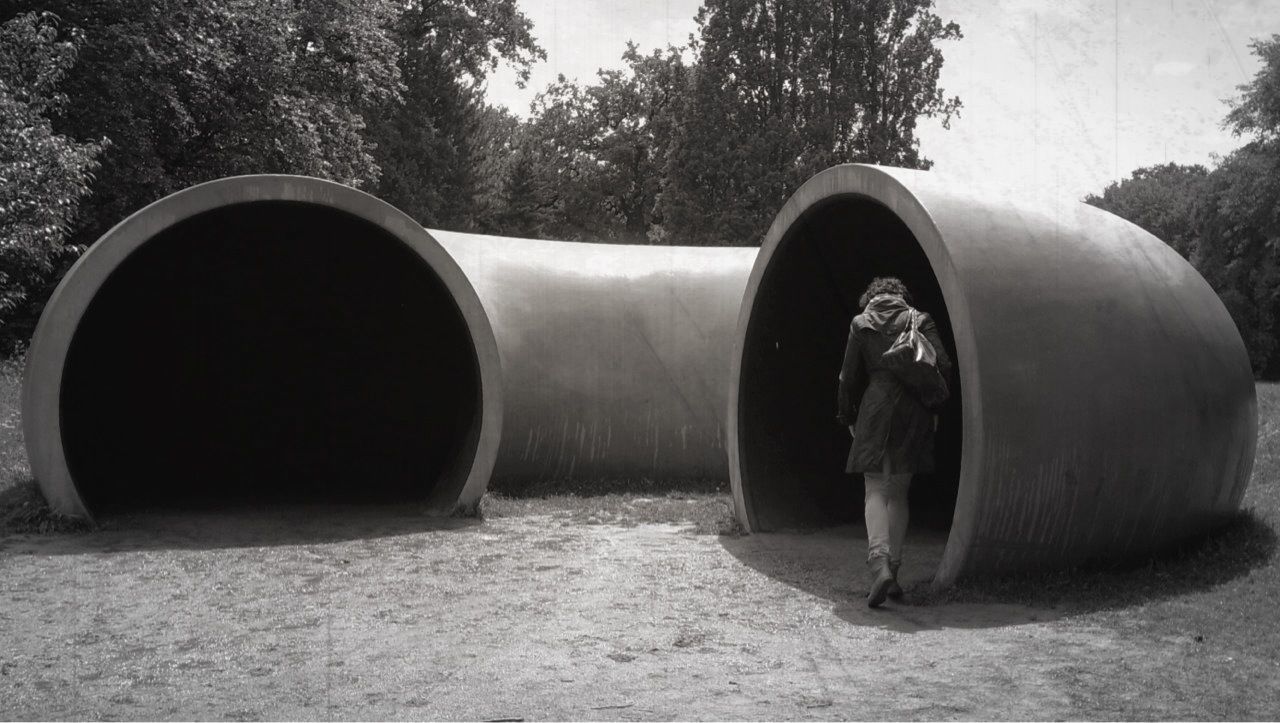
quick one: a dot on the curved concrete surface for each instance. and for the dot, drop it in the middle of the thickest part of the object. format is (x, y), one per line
(1105, 404)
(614, 357)
(261, 338)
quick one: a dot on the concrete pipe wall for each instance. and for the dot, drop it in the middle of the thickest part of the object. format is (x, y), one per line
(615, 358)
(1103, 405)
(263, 338)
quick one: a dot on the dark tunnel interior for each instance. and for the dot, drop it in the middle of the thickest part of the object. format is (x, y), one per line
(269, 352)
(792, 449)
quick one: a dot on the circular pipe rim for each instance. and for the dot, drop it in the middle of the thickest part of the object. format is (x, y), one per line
(879, 185)
(46, 357)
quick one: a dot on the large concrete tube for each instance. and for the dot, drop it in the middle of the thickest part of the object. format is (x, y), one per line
(1105, 403)
(263, 338)
(615, 357)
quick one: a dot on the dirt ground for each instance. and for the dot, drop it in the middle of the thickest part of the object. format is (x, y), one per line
(380, 614)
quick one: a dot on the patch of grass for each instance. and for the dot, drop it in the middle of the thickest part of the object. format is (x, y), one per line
(605, 486)
(704, 504)
(706, 513)
(13, 455)
(22, 507)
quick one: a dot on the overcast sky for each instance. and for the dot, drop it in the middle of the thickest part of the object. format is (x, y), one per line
(1060, 96)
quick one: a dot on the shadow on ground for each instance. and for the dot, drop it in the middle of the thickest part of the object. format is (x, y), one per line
(222, 528)
(829, 564)
(1242, 543)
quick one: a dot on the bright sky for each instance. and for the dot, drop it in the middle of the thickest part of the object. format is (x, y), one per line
(1060, 96)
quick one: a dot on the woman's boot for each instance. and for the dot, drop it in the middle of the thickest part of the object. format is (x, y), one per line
(881, 578)
(895, 590)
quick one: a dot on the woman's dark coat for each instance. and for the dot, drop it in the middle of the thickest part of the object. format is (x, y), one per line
(889, 422)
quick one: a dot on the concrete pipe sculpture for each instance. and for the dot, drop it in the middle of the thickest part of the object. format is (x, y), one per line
(263, 338)
(614, 357)
(1104, 407)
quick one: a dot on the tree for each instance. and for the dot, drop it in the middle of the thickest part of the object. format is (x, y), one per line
(1161, 199)
(632, 124)
(496, 141)
(591, 158)
(1238, 237)
(1239, 217)
(428, 141)
(168, 93)
(784, 89)
(524, 205)
(43, 175)
(423, 145)
(1226, 221)
(189, 92)
(551, 188)
(1257, 111)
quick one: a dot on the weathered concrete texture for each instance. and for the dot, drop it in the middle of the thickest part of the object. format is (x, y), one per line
(1105, 397)
(260, 334)
(615, 358)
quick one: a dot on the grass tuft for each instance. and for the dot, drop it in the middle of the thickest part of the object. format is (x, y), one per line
(705, 513)
(24, 510)
(604, 486)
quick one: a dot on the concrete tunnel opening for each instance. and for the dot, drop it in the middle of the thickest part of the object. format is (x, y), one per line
(792, 449)
(270, 352)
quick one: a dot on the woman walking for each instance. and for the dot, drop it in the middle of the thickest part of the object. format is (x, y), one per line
(891, 416)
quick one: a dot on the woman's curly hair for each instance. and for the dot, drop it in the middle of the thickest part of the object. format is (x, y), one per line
(884, 285)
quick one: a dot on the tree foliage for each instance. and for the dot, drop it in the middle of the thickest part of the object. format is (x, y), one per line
(1238, 245)
(430, 142)
(43, 175)
(189, 92)
(1257, 111)
(1239, 218)
(589, 163)
(785, 89)
(634, 115)
(1227, 220)
(701, 145)
(1161, 199)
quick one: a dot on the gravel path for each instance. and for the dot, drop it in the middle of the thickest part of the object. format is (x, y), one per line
(382, 615)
